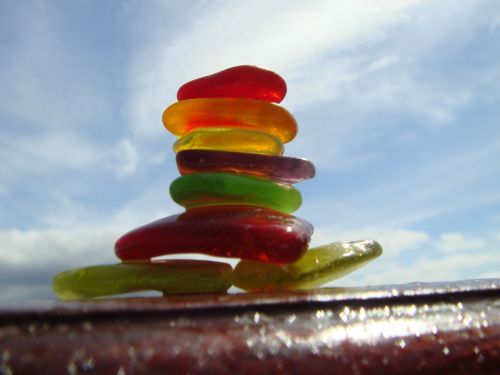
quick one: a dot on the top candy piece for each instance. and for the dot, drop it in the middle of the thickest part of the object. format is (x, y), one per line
(244, 81)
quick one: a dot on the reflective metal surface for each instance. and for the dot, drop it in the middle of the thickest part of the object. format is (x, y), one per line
(444, 328)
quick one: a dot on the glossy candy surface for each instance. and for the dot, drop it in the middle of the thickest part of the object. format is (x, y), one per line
(227, 139)
(318, 266)
(215, 189)
(169, 277)
(276, 168)
(228, 231)
(184, 116)
(244, 81)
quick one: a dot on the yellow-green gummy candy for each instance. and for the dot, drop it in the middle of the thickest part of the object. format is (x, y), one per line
(169, 277)
(318, 266)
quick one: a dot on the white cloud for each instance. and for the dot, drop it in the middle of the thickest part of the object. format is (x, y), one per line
(394, 241)
(31, 249)
(426, 262)
(453, 242)
(29, 259)
(51, 149)
(383, 63)
(489, 275)
(448, 268)
(56, 152)
(435, 188)
(153, 202)
(292, 38)
(366, 52)
(127, 158)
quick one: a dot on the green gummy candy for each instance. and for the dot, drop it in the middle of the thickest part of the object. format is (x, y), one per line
(318, 266)
(169, 277)
(215, 189)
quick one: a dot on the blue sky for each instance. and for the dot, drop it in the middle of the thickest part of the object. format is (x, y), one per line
(398, 105)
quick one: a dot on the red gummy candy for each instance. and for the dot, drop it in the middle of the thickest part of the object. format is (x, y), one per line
(251, 233)
(244, 81)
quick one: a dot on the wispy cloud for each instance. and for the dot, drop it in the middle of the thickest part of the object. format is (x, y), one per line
(127, 158)
(462, 260)
(29, 259)
(293, 38)
(455, 242)
(28, 156)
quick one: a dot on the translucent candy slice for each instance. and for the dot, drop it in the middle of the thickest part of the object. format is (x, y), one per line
(244, 81)
(276, 168)
(318, 266)
(229, 231)
(169, 277)
(217, 189)
(186, 115)
(228, 139)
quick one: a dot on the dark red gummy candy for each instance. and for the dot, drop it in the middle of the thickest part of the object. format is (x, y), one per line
(251, 233)
(283, 169)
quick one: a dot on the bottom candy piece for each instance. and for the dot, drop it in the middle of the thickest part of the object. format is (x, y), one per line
(318, 266)
(169, 277)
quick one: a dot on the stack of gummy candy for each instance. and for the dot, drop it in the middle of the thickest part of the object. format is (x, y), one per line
(237, 190)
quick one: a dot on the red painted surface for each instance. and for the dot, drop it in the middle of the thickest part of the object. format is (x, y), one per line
(443, 329)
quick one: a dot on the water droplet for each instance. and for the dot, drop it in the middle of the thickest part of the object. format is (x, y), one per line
(87, 326)
(71, 368)
(362, 313)
(256, 317)
(320, 314)
(88, 364)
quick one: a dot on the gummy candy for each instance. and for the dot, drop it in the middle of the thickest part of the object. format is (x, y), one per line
(171, 276)
(276, 168)
(236, 188)
(230, 231)
(226, 139)
(186, 115)
(318, 266)
(216, 188)
(244, 81)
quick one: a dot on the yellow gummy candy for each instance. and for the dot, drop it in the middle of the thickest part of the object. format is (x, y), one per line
(186, 115)
(230, 139)
(317, 267)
